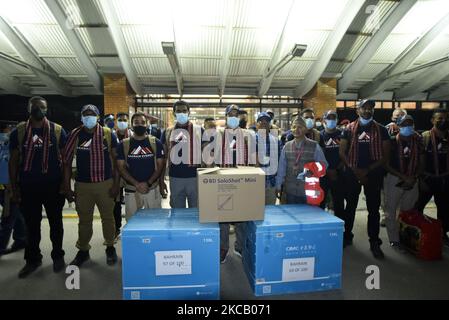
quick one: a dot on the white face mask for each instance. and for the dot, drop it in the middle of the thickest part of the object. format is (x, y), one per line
(318, 124)
(122, 125)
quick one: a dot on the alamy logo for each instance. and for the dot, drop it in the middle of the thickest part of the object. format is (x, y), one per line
(73, 280)
(373, 280)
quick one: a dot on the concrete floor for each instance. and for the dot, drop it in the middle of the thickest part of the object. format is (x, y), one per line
(402, 276)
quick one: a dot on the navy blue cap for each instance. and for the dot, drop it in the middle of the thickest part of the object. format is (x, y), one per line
(263, 115)
(232, 107)
(330, 112)
(90, 107)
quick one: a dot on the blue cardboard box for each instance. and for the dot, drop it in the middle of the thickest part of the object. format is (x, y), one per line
(297, 248)
(168, 255)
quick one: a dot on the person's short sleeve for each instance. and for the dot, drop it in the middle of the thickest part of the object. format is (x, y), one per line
(384, 133)
(120, 151)
(159, 149)
(13, 140)
(114, 140)
(62, 139)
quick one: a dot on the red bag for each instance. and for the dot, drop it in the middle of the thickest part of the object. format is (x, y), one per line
(421, 234)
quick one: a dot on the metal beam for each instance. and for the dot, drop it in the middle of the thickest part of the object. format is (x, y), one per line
(268, 77)
(12, 85)
(351, 74)
(425, 81)
(83, 57)
(395, 71)
(228, 39)
(442, 93)
(49, 77)
(119, 41)
(345, 19)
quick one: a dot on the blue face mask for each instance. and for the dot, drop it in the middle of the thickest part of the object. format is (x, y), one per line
(310, 123)
(89, 121)
(182, 118)
(233, 122)
(406, 131)
(331, 124)
(4, 137)
(364, 121)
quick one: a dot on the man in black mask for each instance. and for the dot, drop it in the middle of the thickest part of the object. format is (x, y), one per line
(36, 178)
(243, 115)
(435, 167)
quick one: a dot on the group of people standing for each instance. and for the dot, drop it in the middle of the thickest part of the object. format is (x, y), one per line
(128, 161)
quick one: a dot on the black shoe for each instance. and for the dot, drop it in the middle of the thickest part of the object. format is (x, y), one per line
(111, 256)
(16, 246)
(238, 253)
(377, 251)
(58, 265)
(347, 242)
(223, 255)
(81, 257)
(29, 269)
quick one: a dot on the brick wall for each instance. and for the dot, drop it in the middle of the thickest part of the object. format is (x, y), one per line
(322, 97)
(118, 95)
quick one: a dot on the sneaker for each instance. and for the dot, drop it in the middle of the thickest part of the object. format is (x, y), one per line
(238, 253)
(377, 251)
(231, 229)
(397, 246)
(28, 269)
(58, 265)
(111, 256)
(81, 257)
(223, 255)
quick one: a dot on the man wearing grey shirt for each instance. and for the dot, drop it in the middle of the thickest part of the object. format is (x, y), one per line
(294, 156)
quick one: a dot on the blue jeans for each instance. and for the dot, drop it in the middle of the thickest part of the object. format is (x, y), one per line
(13, 224)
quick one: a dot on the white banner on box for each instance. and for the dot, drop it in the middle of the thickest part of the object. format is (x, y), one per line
(173, 262)
(298, 269)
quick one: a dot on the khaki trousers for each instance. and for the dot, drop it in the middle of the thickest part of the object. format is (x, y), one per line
(89, 195)
(135, 201)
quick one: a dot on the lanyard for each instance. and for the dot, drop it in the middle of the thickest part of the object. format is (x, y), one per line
(298, 153)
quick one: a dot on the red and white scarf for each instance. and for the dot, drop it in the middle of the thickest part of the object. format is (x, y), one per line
(436, 163)
(414, 155)
(30, 146)
(375, 146)
(97, 163)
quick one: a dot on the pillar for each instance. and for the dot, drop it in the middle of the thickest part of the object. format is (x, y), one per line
(322, 97)
(118, 94)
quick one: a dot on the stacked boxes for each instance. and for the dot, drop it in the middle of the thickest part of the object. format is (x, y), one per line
(168, 254)
(298, 248)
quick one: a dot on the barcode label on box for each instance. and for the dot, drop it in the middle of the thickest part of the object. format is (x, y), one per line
(173, 262)
(298, 269)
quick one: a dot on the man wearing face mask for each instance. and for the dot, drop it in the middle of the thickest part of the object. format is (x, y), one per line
(364, 150)
(140, 162)
(311, 133)
(392, 127)
(96, 181)
(184, 136)
(233, 142)
(35, 171)
(294, 156)
(109, 121)
(243, 119)
(123, 132)
(330, 143)
(435, 167)
(400, 184)
(11, 221)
